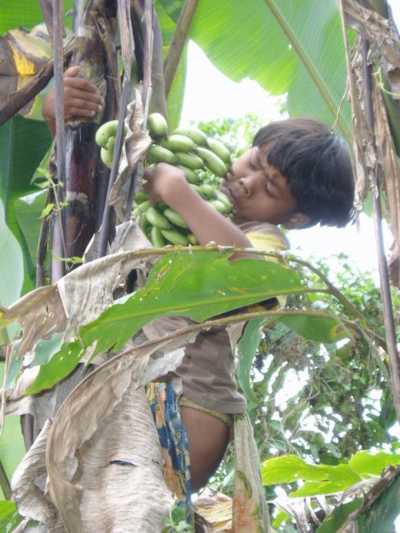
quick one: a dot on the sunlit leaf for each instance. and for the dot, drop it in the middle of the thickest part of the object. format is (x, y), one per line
(9, 517)
(317, 328)
(313, 488)
(322, 478)
(372, 464)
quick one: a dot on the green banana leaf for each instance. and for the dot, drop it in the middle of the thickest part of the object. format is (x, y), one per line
(292, 46)
(12, 447)
(22, 146)
(11, 268)
(384, 514)
(26, 13)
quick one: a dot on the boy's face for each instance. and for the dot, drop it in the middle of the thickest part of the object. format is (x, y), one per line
(258, 191)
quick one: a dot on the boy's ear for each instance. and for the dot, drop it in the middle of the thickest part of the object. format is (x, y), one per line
(298, 221)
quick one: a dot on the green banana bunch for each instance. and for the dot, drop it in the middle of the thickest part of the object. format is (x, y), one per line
(204, 161)
(162, 225)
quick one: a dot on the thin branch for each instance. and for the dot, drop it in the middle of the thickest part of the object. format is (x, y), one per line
(126, 35)
(178, 42)
(42, 245)
(106, 221)
(234, 318)
(309, 66)
(48, 15)
(58, 36)
(148, 57)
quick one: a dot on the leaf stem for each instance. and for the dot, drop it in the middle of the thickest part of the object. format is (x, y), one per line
(310, 67)
(178, 42)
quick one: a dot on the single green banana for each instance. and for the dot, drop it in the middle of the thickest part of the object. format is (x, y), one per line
(221, 207)
(110, 144)
(159, 154)
(207, 190)
(222, 197)
(157, 238)
(219, 149)
(106, 130)
(157, 219)
(178, 143)
(212, 161)
(140, 197)
(157, 125)
(198, 136)
(140, 210)
(107, 157)
(189, 160)
(175, 218)
(190, 175)
(174, 237)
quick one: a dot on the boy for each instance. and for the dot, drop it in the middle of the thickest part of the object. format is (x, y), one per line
(297, 173)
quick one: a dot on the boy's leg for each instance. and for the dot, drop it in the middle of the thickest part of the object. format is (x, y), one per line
(208, 438)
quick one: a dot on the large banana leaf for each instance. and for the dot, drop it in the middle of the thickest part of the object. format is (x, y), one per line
(24, 13)
(22, 145)
(384, 514)
(292, 46)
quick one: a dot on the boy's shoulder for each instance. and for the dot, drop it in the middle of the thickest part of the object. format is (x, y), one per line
(265, 236)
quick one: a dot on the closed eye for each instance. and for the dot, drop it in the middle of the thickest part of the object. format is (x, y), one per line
(271, 188)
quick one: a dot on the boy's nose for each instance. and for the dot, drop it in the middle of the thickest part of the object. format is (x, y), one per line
(249, 184)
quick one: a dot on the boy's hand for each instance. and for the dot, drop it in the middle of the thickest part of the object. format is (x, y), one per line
(165, 183)
(82, 100)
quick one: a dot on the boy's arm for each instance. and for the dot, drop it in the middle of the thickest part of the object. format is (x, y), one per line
(81, 100)
(167, 184)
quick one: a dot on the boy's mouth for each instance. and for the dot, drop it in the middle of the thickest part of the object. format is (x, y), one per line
(226, 189)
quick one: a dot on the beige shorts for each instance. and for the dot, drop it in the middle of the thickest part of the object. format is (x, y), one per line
(226, 419)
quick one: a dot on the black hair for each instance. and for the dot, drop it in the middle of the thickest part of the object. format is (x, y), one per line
(318, 167)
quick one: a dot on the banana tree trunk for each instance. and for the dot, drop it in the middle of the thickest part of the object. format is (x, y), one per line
(86, 177)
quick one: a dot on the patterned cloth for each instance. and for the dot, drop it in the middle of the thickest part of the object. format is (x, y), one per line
(249, 511)
(164, 405)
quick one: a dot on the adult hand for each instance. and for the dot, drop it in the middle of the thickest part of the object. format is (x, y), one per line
(82, 99)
